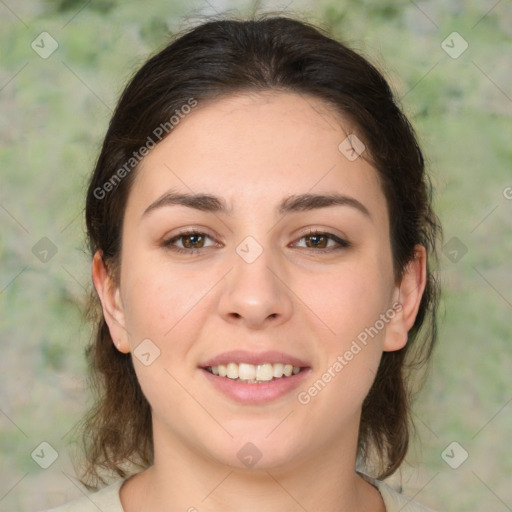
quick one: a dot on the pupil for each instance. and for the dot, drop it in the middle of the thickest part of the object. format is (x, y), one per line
(315, 237)
(188, 237)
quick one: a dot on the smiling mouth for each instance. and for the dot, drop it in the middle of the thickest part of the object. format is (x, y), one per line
(254, 374)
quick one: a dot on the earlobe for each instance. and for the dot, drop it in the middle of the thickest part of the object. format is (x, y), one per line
(111, 303)
(408, 294)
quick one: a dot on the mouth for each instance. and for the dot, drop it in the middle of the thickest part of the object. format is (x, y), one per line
(255, 378)
(254, 374)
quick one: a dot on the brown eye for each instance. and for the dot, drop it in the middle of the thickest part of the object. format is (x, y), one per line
(192, 241)
(320, 240)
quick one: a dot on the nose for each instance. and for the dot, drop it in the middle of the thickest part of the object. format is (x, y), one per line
(256, 293)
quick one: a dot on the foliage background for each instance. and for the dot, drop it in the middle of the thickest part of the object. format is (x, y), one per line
(54, 113)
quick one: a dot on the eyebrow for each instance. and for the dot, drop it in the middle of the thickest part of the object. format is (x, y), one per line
(295, 203)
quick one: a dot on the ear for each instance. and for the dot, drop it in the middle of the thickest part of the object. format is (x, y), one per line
(111, 303)
(408, 296)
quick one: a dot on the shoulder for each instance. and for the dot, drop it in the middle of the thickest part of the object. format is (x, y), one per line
(395, 501)
(106, 500)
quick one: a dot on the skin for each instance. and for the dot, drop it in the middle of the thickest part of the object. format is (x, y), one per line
(253, 151)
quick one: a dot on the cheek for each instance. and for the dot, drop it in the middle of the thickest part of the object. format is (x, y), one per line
(350, 300)
(351, 349)
(350, 306)
(156, 298)
(147, 307)
(162, 319)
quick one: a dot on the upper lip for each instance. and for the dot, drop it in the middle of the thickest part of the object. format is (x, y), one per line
(243, 356)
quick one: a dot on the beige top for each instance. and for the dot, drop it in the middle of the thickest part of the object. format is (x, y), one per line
(108, 500)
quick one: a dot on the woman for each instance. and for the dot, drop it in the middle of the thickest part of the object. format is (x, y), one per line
(260, 224)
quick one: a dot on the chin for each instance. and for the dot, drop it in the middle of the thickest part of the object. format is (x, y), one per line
(254, 452)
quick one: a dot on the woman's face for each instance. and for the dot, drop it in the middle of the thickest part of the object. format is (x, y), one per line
(256, 283)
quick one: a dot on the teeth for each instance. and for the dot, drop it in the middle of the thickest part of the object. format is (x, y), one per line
(265, 372)
(232, 369)
(254, 373)
(278, 370)
(246, 371)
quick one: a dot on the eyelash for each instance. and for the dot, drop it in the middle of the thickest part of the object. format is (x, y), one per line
(342, 244)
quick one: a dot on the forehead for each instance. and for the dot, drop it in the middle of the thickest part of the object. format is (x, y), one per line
(250, 147)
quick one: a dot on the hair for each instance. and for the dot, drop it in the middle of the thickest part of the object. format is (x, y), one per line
(216, 59)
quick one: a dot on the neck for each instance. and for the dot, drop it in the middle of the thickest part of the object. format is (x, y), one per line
(182, 478)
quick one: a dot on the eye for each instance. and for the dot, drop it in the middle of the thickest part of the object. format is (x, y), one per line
(192, 242)
(320, 240)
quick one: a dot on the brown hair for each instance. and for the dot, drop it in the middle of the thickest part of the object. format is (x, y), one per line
(227, 56)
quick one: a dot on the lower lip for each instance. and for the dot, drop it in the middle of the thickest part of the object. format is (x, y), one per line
(256, 393)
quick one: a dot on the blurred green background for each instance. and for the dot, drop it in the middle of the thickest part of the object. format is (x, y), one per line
(54, 113)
